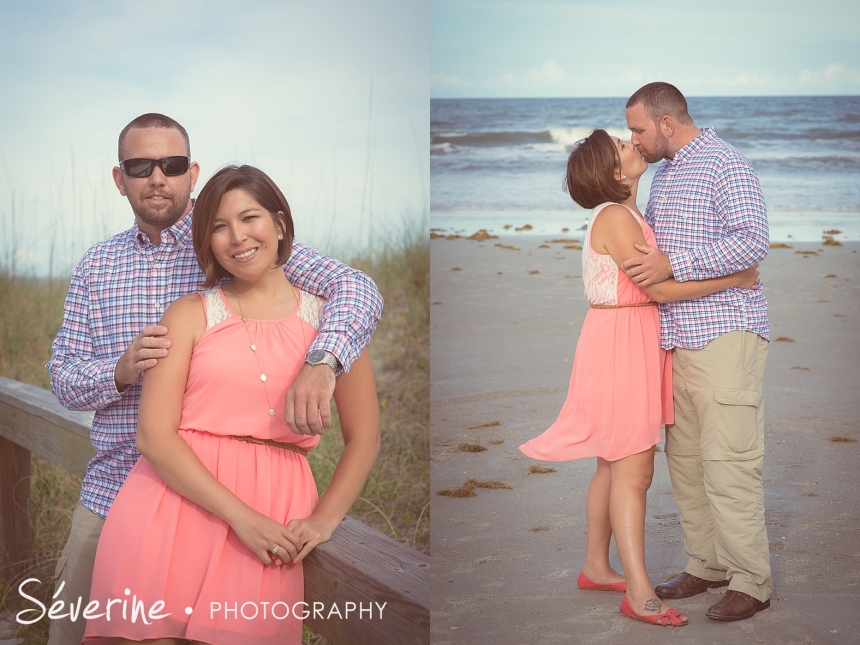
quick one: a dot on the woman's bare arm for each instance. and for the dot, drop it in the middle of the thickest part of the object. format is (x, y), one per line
(358, 411)
(616, 231)
(172, 458)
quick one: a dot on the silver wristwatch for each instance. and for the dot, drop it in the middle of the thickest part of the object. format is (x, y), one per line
(320, 357)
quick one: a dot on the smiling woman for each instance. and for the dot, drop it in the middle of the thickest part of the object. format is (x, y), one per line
(239, 202)
(223, 501)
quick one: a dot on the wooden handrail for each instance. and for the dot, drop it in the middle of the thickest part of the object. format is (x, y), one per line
(358, 565)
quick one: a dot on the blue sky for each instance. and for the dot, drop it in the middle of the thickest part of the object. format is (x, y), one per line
(609, 48)
(282, 85)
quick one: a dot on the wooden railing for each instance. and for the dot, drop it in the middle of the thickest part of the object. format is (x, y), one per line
(358, 564)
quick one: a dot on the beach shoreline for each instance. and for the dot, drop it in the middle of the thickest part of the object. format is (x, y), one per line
(505, 317)
(799, 227)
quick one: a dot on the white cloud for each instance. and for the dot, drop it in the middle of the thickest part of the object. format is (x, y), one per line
(550, 73)
(440, 79)
(834, 77)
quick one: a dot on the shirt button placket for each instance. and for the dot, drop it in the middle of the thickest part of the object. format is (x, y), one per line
(157, 275)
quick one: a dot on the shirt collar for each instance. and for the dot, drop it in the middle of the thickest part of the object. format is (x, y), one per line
(179, 233)
(694, 146)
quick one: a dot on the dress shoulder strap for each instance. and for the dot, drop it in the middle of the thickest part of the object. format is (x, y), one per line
(311, 309)
(214, 306)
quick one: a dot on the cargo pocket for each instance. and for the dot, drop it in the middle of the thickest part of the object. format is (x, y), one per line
(738, 411)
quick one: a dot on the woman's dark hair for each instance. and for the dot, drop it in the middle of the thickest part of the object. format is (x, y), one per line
(259, 186)
(591, 167)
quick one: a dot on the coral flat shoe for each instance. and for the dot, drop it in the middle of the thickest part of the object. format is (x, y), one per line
(672, 617)
(584, 582)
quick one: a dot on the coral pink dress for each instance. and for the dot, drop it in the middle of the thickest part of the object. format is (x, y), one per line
(621, 386)
(157, 545)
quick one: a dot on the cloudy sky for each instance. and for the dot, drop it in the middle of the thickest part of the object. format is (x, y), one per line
(609, 48)
(330, 98)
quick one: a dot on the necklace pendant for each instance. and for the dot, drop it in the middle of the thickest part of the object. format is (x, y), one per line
(253, 348)
(263, 377)
(271, 412)
(244, 319)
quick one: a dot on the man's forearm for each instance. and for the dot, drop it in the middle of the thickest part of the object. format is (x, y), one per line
(353, 304)
(728, 255)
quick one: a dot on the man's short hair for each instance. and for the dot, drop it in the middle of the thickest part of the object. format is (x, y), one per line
(152, 120)
(660, 99)
(591, 167)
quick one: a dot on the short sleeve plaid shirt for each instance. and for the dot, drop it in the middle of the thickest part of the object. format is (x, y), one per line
(126, 283)
(709, 216)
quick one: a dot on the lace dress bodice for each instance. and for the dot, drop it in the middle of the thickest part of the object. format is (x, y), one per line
(605, 283)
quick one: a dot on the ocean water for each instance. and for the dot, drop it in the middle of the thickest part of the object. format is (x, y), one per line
(497, 162)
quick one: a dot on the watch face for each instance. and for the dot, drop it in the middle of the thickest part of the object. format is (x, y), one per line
(317, 356)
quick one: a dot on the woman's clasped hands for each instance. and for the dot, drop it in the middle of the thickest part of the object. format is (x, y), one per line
(277, 544)
(270, 541)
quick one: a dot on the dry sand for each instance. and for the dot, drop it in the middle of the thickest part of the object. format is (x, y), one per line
(504, 325)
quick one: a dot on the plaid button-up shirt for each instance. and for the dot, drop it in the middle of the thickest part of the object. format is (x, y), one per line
(709, 216)
(125, 284)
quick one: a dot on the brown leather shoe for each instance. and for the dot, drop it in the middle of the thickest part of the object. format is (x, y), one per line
(686, 585)
(736, 605)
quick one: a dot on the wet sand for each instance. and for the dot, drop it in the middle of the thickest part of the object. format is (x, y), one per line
(504, 325)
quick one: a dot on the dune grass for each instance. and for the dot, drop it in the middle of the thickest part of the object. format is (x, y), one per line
(395, 500)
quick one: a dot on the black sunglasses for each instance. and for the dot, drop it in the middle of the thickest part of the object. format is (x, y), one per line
(170, 166)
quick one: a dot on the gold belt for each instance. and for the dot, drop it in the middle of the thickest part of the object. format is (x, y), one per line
(270, 442)
(635, 304)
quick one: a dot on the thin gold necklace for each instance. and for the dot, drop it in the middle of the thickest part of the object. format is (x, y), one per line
(254, 346)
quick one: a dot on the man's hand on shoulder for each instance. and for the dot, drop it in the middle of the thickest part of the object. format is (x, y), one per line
(308, 405)
(651, 268)
(143, 354)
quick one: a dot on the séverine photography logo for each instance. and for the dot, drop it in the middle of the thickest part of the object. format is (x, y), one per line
(131, 608)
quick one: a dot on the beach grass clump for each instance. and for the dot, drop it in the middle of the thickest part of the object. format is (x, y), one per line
(467, 488)
(489, 424)
(540, 470)
(395, 500)
(29, 320)
(482, 235)
(471, 447)
(491, 484)
(842, 439)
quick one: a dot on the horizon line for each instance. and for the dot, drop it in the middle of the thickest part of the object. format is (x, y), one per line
(688, 96)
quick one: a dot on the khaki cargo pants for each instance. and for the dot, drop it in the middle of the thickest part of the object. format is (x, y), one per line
(715, 451)
(75, 569)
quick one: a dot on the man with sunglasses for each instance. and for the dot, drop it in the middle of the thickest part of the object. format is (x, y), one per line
(110, 335)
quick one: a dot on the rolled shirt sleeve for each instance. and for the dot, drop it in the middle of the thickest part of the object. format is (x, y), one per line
(353, 304)
(740, 205)
(78, 379)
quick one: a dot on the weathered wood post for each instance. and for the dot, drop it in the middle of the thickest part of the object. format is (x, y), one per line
(14, 504)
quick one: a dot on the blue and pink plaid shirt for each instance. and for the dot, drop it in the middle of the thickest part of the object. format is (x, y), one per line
(125, 284)
(709, 216)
